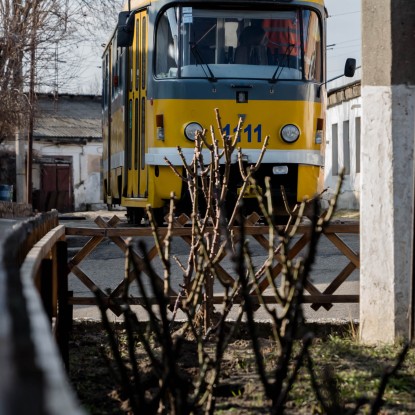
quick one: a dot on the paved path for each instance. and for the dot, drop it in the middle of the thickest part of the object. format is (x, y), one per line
(6, 225)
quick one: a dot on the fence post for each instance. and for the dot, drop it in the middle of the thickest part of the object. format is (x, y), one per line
(64, 314)
(46, 279)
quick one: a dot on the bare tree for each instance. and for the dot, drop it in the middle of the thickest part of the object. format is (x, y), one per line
(39, 50)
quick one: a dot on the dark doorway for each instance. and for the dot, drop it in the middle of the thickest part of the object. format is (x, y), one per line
(55, 188)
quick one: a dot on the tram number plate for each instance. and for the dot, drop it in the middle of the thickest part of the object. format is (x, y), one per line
(248, 134)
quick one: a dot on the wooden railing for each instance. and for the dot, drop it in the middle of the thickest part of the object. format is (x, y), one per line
(33, 379)
(35, 305)
(108, 230)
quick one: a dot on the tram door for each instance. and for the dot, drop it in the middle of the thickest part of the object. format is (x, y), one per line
(136, 130)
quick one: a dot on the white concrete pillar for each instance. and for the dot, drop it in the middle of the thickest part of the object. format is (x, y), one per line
(387, 160)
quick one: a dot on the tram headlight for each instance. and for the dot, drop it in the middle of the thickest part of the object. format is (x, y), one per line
(190, 130)
(290, 133)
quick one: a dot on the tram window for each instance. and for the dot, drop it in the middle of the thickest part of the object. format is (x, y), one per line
(104, 87)
(166, 66)
(143, 55)
(251, 50)
(119, 72)
(196, 43)
(129, 149)
(202, 34)
(130, 64)
(312, 46)
(137, 54)
(143, 134)
(105, 84)
(114, 80)
(283, 40)
(107, 80)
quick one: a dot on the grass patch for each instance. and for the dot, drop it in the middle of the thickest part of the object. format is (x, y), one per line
(356, 370)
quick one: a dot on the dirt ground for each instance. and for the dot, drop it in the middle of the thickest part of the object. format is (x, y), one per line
(357, 370)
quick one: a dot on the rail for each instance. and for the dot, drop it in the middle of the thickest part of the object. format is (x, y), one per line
(33, 379)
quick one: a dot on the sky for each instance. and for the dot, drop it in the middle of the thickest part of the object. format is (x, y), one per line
(343, 39)
(344, 32)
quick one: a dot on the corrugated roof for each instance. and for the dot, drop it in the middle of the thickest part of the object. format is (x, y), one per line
(68, 117)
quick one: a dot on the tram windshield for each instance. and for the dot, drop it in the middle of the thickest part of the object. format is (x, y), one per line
(202, 43)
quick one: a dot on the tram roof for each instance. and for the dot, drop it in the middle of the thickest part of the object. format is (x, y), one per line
(141, 3)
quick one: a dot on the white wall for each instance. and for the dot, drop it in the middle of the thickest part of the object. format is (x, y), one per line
(343, 151)
(86, 174)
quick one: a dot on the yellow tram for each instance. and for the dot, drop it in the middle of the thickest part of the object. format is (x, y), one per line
(170, 63)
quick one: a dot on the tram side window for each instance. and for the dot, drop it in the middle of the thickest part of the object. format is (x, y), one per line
(312, 47)
(114, 71)
(121, 58)
(105, 83)
(166, 49)
(118, 71)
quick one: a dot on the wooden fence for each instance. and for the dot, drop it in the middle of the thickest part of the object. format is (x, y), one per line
(108, 230)
(35, 304)
(13, 210)
(33, 379)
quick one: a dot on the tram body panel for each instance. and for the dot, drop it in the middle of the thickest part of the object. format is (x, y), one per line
(261, 119)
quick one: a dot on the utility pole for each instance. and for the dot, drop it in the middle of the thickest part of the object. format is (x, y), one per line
(31, 104)
(20, 162)
(387, 158)
(20, 131)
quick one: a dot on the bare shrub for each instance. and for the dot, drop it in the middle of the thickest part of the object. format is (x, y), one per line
(164, 385)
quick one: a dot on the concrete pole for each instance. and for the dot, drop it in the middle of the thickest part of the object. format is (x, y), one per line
(387, 159)
(20, 137)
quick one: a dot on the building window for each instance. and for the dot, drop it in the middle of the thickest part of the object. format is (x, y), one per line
(357, 138)
(335, 150)
(346, 147)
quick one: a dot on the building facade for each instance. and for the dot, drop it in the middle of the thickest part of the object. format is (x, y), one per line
(67, 144)
(343, 140)
(67, 154)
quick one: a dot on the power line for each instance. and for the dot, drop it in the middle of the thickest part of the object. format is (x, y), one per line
(347, 41)
(335, 48)
(344, 14)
